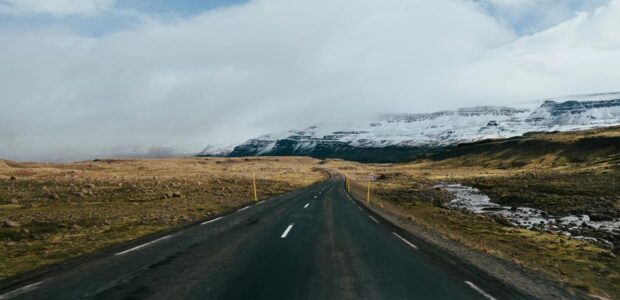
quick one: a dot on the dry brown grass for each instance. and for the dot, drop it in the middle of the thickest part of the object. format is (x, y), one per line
(64, 210)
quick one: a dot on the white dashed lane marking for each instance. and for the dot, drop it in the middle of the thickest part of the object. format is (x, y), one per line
(288, 229)
(211, 221)
(372, 218)
(20, 290)
(479, 290)
(404, 240)
(144, 245)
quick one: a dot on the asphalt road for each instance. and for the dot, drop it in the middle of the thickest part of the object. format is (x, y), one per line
(315, 243)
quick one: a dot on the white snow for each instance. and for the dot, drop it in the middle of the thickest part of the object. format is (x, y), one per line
(473, 200)
(458, 126)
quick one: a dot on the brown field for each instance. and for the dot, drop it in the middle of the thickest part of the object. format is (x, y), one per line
(52, 212)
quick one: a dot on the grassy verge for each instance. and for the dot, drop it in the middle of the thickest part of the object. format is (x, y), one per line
(52, 212)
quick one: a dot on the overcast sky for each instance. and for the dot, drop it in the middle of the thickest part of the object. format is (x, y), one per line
(92, 78)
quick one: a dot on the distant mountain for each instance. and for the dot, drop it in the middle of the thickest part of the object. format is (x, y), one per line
(401, 137)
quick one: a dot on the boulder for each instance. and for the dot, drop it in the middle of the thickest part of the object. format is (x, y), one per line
(9, 223)
(600, 217)
(499, 219)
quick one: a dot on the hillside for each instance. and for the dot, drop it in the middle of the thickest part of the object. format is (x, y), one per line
(402, 137)
(596, 147)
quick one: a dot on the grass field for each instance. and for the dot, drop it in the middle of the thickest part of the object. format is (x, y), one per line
(52, 212)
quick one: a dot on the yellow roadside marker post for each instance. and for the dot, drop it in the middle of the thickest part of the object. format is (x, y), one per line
(346, 183)
(254, 184)
(368, 194)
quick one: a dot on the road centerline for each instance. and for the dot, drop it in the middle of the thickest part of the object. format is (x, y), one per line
(305, 206)
(288, 229)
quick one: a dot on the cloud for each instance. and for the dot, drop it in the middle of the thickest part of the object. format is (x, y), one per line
(236, 72)
(57, 8)
(575, 57)
(531, 16)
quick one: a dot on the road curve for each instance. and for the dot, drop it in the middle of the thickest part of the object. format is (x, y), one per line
(316, 243)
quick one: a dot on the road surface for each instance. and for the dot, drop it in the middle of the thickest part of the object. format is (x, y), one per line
(315, 243)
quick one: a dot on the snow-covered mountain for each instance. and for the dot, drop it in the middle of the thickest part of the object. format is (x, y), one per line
(398, 137)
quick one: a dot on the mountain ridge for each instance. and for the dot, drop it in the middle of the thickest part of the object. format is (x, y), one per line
(404, 136)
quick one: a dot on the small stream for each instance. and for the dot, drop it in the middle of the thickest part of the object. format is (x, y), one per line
(577, 226)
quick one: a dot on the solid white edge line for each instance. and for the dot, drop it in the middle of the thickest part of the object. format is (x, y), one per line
(211, 221)
(404, 240)
(21, 290)
(260, 202)
(286, 231)
(144, 245)
(305, 206)
(371, 217)
(479, 290)
(244, 208)
(360, 208)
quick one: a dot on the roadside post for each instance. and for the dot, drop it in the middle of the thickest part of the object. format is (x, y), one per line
(368, 194)
(254, 185)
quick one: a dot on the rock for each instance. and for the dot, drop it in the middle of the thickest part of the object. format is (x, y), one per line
(168, 195)
(90, 186)
(607, 254)
(10, 244)
(600, 217)
(54, 196)
(501, 220)
(14, 201)
(176, 194)
(9, 223)
(26, 230)
(76, 226)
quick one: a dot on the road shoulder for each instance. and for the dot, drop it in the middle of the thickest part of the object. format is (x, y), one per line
(528, 282)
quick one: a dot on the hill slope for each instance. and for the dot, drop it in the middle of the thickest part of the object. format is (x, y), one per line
(402, 137)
